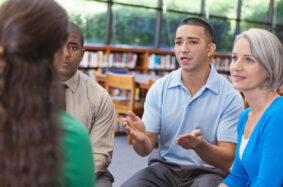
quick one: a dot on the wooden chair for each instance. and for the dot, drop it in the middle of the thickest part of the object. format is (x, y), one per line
(151, 82)
(125, 101)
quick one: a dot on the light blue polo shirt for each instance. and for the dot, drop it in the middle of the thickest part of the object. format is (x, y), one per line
(171, 111)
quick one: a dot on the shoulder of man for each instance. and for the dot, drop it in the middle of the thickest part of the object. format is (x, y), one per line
(91, 84)
(71, 124)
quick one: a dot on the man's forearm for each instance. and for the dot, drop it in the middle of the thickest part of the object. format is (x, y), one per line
(143, 148)
(220, 156)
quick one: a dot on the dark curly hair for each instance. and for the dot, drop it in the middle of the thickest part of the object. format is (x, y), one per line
(32, 32)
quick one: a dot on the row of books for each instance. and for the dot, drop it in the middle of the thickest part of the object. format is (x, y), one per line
(162, 62)
(227, 76)
(221, 64)
(90, 73)
(118, 60)
(158, 73)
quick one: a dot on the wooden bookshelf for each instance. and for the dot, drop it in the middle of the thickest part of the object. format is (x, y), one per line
(140, 60)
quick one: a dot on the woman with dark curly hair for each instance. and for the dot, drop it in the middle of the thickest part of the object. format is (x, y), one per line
(39, 144)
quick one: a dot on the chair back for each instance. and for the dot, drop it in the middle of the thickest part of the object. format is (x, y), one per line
(151, 82)
(126, 83)
(123, 103)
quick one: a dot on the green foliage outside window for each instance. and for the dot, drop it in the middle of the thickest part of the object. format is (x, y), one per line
(133, 26)
(137, 26)
(93, 27)
(278, 12)
(256, 10)
(225, 8)
(224, 30)
(170, 21)
(193, 6)
(223, 33)
(148, 3)
(90, 16)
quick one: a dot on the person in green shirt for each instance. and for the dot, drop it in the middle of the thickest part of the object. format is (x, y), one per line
(40, 145)
(79, 167)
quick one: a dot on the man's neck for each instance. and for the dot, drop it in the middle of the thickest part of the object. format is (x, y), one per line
(195, 80)
(64, 78)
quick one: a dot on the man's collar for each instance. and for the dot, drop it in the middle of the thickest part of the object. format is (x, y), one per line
(73, 82)
(176, 78)
(212, 82)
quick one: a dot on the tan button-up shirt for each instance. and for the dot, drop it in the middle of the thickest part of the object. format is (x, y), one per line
(87, 101)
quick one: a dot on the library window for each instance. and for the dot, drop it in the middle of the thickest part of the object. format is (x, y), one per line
(255, 10)
(170, 22)
(90, 16)
(153, 23)
(224, 32)
(191, 6)
(148, 3)
(222, 8)
(133, 26)
(279, 33)
(247, 25)
(278, 12)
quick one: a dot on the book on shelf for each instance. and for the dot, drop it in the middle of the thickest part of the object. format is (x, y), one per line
(156, 61)
(221, 64)
(94, 59)
(123, 60)
(158, 73)
(84, 62)
(227, 76)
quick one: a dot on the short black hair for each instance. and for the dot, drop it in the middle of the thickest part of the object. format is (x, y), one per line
(74, 28)
(199, 22)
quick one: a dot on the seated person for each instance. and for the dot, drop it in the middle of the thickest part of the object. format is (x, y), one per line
(257, 71)
(39, 144)
(88, 102)
(195, 111)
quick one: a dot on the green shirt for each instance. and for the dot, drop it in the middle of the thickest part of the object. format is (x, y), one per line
(78, 166)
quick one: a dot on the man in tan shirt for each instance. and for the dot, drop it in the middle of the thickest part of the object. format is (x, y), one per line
(87, 101)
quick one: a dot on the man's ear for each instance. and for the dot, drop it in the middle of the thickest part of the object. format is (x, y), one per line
(82, 53)
(211, 48)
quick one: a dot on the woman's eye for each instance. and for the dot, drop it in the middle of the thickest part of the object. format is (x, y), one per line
(250, 60)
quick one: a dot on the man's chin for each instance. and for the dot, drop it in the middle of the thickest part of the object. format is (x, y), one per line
(63, 73)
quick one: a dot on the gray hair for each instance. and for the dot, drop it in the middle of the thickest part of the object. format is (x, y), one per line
(268, 51)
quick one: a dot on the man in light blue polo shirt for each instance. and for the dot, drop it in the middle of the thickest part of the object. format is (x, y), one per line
(195, 111)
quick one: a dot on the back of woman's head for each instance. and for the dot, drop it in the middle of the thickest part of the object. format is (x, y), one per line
(268, 51)
(32, 28)
(31, 33)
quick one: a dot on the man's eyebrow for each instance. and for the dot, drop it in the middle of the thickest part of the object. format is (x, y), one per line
(192, 38)
(189, 38)
(73, 43)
